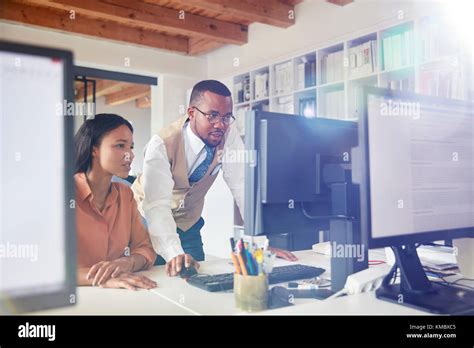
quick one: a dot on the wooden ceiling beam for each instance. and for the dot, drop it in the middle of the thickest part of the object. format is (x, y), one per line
(102, 87)
(272, 12)
(127, 94)
(60, 20)
(201, 46)
(153, 17)
(144, 102)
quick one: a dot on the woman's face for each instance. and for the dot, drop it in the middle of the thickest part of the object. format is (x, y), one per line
(114, 155)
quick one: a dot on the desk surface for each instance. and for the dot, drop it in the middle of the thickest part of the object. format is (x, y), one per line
(96, 301)
(175, 297)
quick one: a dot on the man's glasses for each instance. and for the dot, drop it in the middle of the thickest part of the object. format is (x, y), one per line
(213, 117)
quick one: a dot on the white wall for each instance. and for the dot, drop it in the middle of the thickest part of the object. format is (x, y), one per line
(173, 99)
(102, 53)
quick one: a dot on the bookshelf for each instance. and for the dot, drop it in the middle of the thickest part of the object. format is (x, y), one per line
(422, 55)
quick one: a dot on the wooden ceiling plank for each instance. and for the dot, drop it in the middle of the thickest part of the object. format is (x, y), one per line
(153, 17)
(272, 12)
(201, 46)
(143, 102)
(127, 94)
(60, 20)
(102, 87)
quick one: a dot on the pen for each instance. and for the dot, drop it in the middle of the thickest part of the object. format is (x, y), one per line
(242, 257)
(259, 258)
(252, 269)
(259, 262)
(235, 262)
(241, 248)
(242, 264)
(249, 260)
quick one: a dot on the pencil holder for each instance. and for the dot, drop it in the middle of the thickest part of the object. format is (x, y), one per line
(251, 292)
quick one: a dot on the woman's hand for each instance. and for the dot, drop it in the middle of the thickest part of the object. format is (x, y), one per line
(104, 270)
(129, 281)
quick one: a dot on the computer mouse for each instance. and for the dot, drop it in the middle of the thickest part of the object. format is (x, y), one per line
(279, 297)
(187, 272)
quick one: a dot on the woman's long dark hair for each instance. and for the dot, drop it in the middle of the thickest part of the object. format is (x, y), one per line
(91, 133)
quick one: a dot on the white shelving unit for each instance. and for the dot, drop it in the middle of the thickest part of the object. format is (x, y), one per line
(414, 55)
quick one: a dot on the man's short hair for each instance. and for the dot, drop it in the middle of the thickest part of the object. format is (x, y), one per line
(213, 86)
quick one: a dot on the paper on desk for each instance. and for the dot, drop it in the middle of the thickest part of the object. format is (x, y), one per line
(436, 258)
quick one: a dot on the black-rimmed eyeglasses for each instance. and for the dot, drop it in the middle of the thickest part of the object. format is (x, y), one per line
(213, 117)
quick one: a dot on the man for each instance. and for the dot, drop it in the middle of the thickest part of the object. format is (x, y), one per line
(181, 164)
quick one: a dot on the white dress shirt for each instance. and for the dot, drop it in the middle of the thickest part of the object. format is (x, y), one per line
(158, 185)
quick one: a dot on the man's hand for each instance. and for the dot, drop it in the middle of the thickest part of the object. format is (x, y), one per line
(284, 254)
(129, 281)
(104, 270)
(174, 266)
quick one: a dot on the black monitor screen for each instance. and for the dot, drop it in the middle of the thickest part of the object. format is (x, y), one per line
(286, 185)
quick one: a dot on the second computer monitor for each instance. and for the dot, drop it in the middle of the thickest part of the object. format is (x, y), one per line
(417, 186)
(285, 184)
(418, 168)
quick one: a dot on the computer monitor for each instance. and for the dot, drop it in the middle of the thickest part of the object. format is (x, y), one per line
(37, 225)
(285, 190)
(417, 186)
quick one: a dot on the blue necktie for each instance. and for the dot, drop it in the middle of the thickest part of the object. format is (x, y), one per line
(201, 169)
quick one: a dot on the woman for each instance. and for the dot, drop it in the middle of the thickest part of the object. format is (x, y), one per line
(112, 241)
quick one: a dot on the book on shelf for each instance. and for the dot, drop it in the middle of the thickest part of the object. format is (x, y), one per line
(246, 86)
(355, 98)
(436, 40)
(240, 118)
(305, 74)
(332, 67)
(300, 75)
(239, 92)
(339, 66)
(363, 59)
(406, 84)
(398, 50)
(333, 104)
(284, 78)
(261, 85)
(310, 74)
(307, 107)
(261, 107)
(284, 105)
(329, 68)
(447, 83)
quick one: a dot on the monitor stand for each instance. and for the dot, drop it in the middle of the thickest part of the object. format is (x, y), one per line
(416, 291)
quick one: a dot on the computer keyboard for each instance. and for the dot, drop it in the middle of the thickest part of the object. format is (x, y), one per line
(225, 281)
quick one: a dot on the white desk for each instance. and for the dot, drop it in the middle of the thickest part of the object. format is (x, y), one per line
(222, 303)
(175, 297)
(96, 301)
